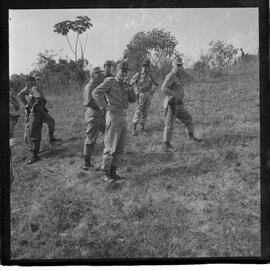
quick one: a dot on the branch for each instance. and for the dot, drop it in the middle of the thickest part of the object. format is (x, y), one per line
(85, 43)
(76, 45)
(81, 47)
(70, 44)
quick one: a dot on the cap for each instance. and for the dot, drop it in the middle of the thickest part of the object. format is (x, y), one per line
(122, 66)
(108, 62)
(97, 70)
(146, 63)
(177, 61)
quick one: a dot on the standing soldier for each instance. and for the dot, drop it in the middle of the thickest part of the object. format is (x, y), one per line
(14, 114)
(144, 85)
(118, 96)
(94, 117)
(24, 94)
(38, 115)
(173, 88)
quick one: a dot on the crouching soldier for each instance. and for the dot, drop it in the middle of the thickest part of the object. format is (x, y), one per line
(118, 96)
(173, 88)
(38, 115)
(94, 117)
(144, 85)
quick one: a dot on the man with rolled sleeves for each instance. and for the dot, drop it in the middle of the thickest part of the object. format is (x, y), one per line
(173, 88)
(94, 117)
(38, 115)
(144, 85)
(118, 96)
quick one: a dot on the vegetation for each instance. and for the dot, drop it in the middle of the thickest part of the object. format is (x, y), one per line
(201, 201)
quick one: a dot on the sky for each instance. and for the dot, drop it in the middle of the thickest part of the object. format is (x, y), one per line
(31, 31)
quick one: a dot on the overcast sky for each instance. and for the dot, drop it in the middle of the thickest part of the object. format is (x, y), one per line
(31, 31)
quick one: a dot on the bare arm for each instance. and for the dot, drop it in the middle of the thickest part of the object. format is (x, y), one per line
(22, 94)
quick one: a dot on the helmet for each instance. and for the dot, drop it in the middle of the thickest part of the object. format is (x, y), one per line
(97, 70)
(108, 62)
(122, 66)
(146, 63)
(177, 61)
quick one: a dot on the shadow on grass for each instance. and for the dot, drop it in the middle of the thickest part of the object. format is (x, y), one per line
(204, 166)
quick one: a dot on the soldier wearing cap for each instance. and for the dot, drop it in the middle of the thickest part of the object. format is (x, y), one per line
(173, 88)
(144, 85)
(108, 68)
(14, 113)
(38, 115)
(118, 96)
(94, 117)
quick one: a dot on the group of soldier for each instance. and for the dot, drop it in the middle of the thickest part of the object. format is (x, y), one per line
(106, 98)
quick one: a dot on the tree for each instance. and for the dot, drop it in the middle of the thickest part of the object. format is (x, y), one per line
(156, 44)
(79, 26)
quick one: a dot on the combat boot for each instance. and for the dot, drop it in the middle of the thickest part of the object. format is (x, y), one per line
(133, 130)
(33, 159)
(193, 138)
(114, 175)
(106, 176)
(87, 164)
(168, 147)
(54, 139)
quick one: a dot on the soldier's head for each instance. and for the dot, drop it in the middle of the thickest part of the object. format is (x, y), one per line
(177, 64)
(108, 67)
(96, 72)
(38, 80)
(146, 65)
(122, 70)
(29, 81)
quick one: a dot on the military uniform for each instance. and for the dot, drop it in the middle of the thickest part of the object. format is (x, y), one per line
(94, 118)
(14, 114)
(173, 88)
(118, 96)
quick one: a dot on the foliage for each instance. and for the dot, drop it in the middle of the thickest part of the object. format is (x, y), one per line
(17, 81)
(156, 44)
(79, 26)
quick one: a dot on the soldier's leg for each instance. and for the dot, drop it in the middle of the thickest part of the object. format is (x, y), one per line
(138, 113)
(49, 120)
(170, 117)
(35, 127)
(145, 110)
(12, 123)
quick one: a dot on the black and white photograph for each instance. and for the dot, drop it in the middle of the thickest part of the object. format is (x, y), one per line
(134, 133)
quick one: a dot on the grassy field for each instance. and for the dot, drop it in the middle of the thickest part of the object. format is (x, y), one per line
(201, 201)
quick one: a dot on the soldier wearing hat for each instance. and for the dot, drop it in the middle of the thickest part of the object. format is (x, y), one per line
(38, 115)
(173, 88)
(118, 96)
(144, 85)
(94, 117)
(108, 68)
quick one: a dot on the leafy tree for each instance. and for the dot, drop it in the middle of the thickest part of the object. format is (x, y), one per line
(156, 44)
(79, 26)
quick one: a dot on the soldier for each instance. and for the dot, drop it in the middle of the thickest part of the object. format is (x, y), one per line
(173, 88)
(108, 68)
(14, 114)
(145, 86)
(38, 115)
(94, 117)
(24, 94)
(118, 96)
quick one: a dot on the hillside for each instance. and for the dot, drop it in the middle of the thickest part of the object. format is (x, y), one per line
(201, 201)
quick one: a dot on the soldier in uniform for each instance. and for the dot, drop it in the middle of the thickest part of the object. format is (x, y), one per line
(144, 85)
(14, 113)
(118, 96)
(173, 88)
(94, 117)
(24, 94)
(38, 115)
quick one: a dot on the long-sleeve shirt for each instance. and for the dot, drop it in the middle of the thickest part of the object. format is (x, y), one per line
(143, 82)
(117, 95)
(88, 89)
(172, 87)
